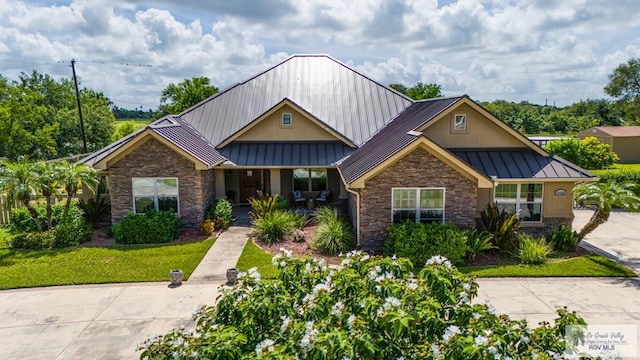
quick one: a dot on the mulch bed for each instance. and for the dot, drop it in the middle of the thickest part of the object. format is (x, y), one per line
(100, 238)
(298, 249)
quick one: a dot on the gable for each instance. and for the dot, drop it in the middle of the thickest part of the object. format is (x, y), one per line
(481, 132)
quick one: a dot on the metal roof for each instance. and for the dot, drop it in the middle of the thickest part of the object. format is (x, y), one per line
(519, 163)
(347, 101)
(322, 153)
(618, 131)
(393, 138)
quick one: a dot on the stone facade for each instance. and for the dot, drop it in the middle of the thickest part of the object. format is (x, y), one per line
(417, 169)
(196, 189)
(549, 225)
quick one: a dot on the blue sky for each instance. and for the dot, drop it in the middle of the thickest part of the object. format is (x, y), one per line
(536, 50)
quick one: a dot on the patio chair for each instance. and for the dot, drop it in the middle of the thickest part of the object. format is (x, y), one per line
(324, 197)
(298, 198)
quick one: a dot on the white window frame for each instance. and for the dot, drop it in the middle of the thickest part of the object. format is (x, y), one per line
(518, 200)
(417, 208)
(290, 124)
(155, 192)
(454, 127)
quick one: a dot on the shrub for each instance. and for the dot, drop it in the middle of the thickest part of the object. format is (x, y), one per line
(563, 239)
(588, 153)
(152, 227)
(419, 242)
(208, 227)
(621, 176)
(94, 209)
(333, 234)
(33, 240)
(70, 231)
(300, 220)
(282, 203)
(262, 204)
(533, 251)
(221, 212)
(477, 242)
(273, 226)
(367, 308)
(501, 224)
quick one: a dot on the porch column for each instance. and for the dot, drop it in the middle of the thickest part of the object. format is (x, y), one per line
(221, 192)
(275, 181)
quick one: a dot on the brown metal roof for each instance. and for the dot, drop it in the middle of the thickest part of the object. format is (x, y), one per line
(393, 138)
(519, 163)
(619, 131)
(339, 96)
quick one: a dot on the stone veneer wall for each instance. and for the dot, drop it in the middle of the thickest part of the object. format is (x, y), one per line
(417, 169)
(549, 225)
(153, 159)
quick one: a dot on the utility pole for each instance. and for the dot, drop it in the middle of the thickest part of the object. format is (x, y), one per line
(75, 82)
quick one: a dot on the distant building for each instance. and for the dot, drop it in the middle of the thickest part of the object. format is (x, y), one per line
(624, 140)
(543, 140)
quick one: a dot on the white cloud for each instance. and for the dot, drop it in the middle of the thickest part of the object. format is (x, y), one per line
(132, 49)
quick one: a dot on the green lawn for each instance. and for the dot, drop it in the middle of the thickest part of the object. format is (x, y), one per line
(631, 167)
(586, 266)
(117, 264)
(140, 123)
(253, 256)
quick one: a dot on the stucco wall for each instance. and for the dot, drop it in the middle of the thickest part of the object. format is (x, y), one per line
(627, 149)
(153, 159)
(417, 169)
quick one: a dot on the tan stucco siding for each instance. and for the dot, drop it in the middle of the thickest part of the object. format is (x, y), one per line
(627, 148)
(481, 132)
(270, 129)
(485, 196)
(557, 206)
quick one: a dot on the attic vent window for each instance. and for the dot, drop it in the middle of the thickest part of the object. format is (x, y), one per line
(286, 119)
(459, 123)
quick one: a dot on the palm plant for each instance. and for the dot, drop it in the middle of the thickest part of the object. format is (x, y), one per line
(17, 180)
(606, 196)
(74, 176)
(46, 181)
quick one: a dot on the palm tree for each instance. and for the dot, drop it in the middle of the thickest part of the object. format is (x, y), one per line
(47, 181)
(17, 180)
(74, 175)
(606, 196)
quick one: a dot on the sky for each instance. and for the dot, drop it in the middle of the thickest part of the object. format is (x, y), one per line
(541, 51)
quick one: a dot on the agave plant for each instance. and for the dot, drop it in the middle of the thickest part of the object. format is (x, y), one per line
(502, 224)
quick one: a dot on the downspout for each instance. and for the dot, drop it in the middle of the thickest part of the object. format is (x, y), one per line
(357, 194)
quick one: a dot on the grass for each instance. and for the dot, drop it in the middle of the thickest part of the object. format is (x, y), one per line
(117, 264)
(253, 256)
(140, 123)
(631, 167)
(585, 266)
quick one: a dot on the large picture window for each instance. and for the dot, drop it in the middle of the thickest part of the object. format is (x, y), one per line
(155, 193)
(310, 179)
(523, 199)
(423, 205)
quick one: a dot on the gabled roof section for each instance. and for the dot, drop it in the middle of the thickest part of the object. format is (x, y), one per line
(170, 130)
(520, 163)
(618, 131)
(345, 100)
(393, 138)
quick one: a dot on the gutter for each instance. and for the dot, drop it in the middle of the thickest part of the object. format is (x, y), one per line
(357, 194)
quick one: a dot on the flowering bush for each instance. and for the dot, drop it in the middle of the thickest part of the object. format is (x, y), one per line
(364, 308)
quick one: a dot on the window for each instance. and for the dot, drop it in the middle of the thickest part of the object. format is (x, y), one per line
(309, 179)
(523, 199)
(460, 123)
(155, 193)
(420, 205)
(286, 119)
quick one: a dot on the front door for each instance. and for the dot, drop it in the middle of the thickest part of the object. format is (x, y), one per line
(252, 180)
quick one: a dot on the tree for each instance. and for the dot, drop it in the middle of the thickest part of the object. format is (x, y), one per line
(47, 180)
(624, 82)
(606, 196)
(419, 91)
(17, 180)
(73, 177)
(588, 153)
(176, 98)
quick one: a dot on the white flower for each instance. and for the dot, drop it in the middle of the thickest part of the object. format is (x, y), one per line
(439, 260)
(412, 286)
(481, 340)
(309, 336)
(283, 264)
(378, 269)
(476, 315)
(286, 252)
(490, 308)
(264, 344)
(450, 332)
(254, 274)
(436, 349)
(276, 258)
(464, 297)
(350, 321)
(336, 309)
(391, 302)
(285, 323)
(466, 286)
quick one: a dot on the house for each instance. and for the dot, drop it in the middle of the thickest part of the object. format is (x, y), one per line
(624, 140)
(312, 123)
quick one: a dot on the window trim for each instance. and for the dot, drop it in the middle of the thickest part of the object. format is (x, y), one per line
(518, 202)
(155, 192)
(418, 208)
(454, 129)
(309, 179)
(282, 123)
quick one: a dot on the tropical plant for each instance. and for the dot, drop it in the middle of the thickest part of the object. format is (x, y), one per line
(419, 242)
(18, 181)
(66, 230)
(477, 242)
(208, 226)
(273, 226)
(364, 308)
(533, 251)
(563, 239)
(221, 212)
(333, 234)
(46, 181)
(605, 197)
(502, 224)
(262, 204)
(73, 177)
(94, 208)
